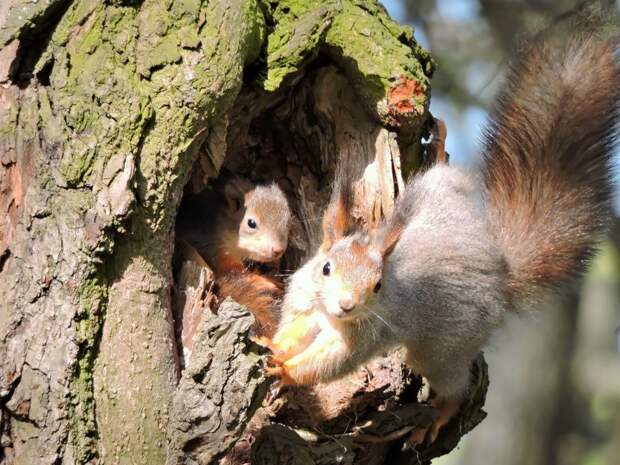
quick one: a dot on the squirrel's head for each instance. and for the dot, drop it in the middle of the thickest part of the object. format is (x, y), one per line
(349, 266)
(264, 228)
(349, 276)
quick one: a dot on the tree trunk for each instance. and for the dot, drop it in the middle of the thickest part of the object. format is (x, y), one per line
(109, 111)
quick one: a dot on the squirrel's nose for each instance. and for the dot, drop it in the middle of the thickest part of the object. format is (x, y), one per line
(277, 250)
(346, 305)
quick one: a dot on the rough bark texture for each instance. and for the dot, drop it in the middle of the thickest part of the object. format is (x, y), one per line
(107, 110)
(221, 388)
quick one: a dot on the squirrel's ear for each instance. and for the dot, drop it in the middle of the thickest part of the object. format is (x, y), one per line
(337, 218)
(386, 238)
(246, 198)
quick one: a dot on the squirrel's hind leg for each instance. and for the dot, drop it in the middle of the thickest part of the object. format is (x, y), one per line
(449, 386)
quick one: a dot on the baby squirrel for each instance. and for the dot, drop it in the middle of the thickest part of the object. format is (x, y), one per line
(439, 276)
(258, 232)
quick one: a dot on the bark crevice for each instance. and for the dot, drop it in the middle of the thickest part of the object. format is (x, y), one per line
(32, 40)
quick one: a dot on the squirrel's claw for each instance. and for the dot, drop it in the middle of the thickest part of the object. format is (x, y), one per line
(422, 436)
(277, 369)
(447, 409)
(415, 439)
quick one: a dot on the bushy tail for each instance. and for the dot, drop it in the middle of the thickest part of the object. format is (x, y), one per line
(547, 160)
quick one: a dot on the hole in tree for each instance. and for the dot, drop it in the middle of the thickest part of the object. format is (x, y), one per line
(291, 137)
(265, 138)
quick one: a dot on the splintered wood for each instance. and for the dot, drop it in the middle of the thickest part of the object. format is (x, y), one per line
(362, 145)
(192, 297)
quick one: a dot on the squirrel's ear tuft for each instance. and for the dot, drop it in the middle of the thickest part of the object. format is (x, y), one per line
(388, 233)
(337, 216)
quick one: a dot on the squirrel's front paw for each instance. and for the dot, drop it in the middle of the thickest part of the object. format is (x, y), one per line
(276, 369)
(295, 336)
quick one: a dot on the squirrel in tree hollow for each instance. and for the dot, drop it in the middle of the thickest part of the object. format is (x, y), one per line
(258, 232)
(442, 272)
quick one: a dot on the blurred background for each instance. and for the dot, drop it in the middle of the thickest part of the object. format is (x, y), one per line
(555, 375)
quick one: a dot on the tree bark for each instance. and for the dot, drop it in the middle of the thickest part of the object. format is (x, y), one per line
(108, 112)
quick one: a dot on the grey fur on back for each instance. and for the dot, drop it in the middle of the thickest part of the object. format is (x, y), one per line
(447, 271)
(547, 186)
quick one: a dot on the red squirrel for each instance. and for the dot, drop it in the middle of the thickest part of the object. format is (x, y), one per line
(226, 236)
(258, 232)
(440, 274)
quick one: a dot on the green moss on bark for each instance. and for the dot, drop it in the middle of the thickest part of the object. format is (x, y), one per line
(137, 84)
(22, 18)
(84, 435)
(299, 30)
(388, 69)
(134, 91)
(378, 54)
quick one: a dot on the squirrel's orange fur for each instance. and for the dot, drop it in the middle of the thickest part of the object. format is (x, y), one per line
(261, 294)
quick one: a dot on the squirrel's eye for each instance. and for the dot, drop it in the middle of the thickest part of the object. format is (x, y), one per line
(251, 223)
(327, 268)
(377, 287)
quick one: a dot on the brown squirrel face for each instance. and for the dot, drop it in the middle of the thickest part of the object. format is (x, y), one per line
(349, 278)
(264, 227)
